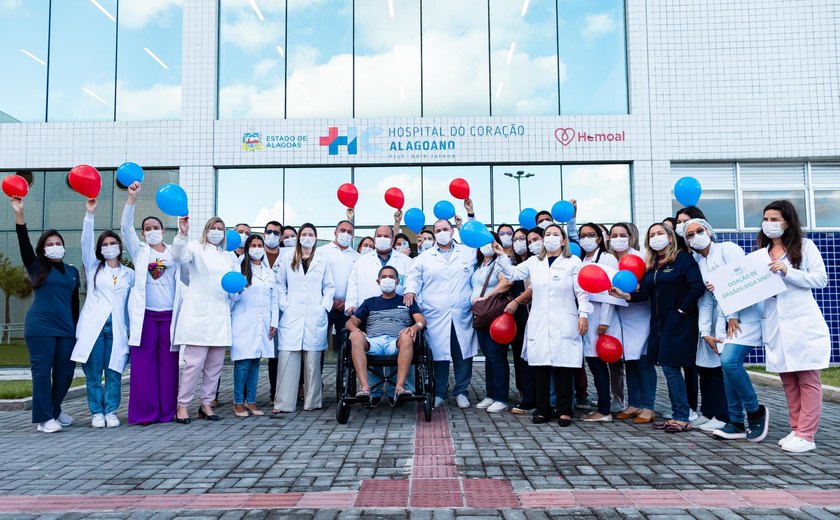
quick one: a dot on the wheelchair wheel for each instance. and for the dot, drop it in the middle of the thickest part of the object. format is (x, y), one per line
(342, 412)
(427, 408)
(339, 375)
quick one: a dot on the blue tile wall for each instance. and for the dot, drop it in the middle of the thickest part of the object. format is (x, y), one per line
(828, 299)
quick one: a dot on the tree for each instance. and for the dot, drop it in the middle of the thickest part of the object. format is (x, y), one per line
(13, 282)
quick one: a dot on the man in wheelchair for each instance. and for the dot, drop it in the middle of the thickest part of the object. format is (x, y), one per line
(390, 329)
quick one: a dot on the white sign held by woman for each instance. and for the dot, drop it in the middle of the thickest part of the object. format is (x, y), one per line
(744, 283)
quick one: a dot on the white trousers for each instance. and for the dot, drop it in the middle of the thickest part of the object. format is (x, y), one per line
(288, 377)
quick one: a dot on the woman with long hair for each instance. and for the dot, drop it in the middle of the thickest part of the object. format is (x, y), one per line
(519, 306)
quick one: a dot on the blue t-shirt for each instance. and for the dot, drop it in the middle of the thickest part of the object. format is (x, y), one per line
(386, 316)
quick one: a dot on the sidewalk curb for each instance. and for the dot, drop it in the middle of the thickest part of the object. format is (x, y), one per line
(829, 393)
(13, 405)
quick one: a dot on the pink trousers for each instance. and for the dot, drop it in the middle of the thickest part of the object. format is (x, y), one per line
(804, 399)
(204, 361)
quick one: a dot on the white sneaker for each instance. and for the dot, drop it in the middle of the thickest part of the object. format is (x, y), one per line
(485, 403)
(111, 420)
(786, 438)
(797, 444)
(693, 417)
(64, 419)
(50, 426)
(497, 407)
(438, 402)
(712, 425)
(463, 401)
(98, 420)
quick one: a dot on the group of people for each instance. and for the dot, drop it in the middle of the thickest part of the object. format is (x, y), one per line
(386, 291)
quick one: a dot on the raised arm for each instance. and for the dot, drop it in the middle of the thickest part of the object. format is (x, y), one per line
(181, 252)
(132, 242)
(88, 245)
(513, 273)
(27, 254)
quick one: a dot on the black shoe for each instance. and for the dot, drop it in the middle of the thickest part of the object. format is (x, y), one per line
(758, 424)
(182, 421)
(539, 418)
(203, 415)
(374, 401)
(564, 422)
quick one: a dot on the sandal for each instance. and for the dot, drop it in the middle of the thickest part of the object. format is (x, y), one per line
(400, 395)
(662, 425)
(676, 427)
(363, 396)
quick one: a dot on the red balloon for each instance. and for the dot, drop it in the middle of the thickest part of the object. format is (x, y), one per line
(593, 279)
(608, 348)
(634, 264)
(503, 329)
(348, 195)
(86, 180)
(459, 188)
(394, 197)
(15, 186)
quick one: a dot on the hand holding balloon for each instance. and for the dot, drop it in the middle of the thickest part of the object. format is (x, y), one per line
(133, 192)
(15, 186)
(468, 205)
(184, 226)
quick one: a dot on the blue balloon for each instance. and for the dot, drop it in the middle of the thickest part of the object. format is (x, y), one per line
(444, 209)
(128, 173)
(232, 240)
(415, 219)
(687, 190)
(172, 200)
(475, 234)
(528, 218)
(575, 249)
(625, 280)
(562, 211)
(233, 282)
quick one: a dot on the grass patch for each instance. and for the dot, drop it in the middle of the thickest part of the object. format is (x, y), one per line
(18, 389)
(829, 376)
(14, 354)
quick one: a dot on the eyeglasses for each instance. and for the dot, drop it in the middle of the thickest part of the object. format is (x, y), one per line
(590, 235)
(689, 236)
(272, 232)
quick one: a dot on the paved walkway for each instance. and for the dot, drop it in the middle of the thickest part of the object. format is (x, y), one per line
(388, 462)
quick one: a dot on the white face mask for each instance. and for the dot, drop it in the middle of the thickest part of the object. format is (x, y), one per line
(404, 248)
(388, 285)
(487, 251)
(659, 242)
(544, 224)
(507, 240)
(289, 242)
(215, 236)
(680, 229)
(154, 237)
(365, 249)
(772, 229)
(552, 243)
(589, 244)
(535, 247)
(443, 238)
(520, 245)
(54, 252)
(307, 242)
(344, 239)
(699, 241)
(110, 252)
(382, 243)
(428, 244)
(620, 244)
(256, 253)
(272, 240)
(242, 238)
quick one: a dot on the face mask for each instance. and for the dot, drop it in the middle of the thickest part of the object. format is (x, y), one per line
(54, 252)
(680, 229)
(535, 247)
(544, 224)
(552, 243)
(272, 241)
(110, 252)
(620, 244)
(699, 241)
(589, 244)
(344, 239)
(256, 253)
(242, 238)
(289, 242)
(520, 246)
(487, 251)
(307, 242)
(772, 229)
(215, 236)
(507, 240)
(443, 238)
(388, 285)
(659, 242)
(428, 244)
(382, 243)
(154, 237)
(404, 248)
(365, 249)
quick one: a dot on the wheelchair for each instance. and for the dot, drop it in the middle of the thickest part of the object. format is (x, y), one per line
(346, 382)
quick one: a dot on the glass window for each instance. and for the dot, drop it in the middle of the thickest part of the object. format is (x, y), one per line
(827, 208)
(83, 44)
(718, 206)
(593, 58)
(24, 27)
(66, 209)
(372, 184)
(311, 196)
(387, 58)
(602, 191)
(436, 181)
(260, 202)
(320, 59)
(523, 57)
(455, 58)
(146, 205)
(252, 59)
(539, 191)
(33, 205)
(755, 201)
(149, 60)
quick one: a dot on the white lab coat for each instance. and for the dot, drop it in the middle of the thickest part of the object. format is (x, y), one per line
(362, 283)
(551, 338)
(141, 254)
(793, 328)
(204, 318)
(341, 265)
(305, 300)
(602, 313)
(635, 325)
(254, 311)
(444, 289)
(106, 297)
